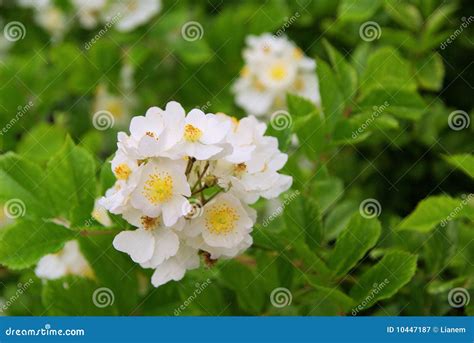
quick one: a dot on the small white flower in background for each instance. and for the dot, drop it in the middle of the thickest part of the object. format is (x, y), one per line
(274, 66)
(68, 261)
(132, 13)
(49, 17)
(89, 11)
(172, 161)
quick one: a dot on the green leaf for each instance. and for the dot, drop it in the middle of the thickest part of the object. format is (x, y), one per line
(346, 74)
(71, 181)
(386, 68)
(401, 103)
(113, 270)
(241, 279)
(358, 10)
(25, 242)
(385, 279)
(325, 301)
(332, 99)
(338, 218)
(42, 142)
(407, 15)
(353, 243)
(430, 72)
(435, 210)
(327, 192)
(308, 124)
(21, 182)
(75, 296)
(464, 162)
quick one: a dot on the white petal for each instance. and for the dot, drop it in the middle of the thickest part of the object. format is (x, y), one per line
(166, 246)
(139, 244)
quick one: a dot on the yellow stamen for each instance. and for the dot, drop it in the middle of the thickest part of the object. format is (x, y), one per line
(278, 72)
(122, 171)
(158, 188)
(298, 84)
(192, 133)
(221, 219)
(298, 53)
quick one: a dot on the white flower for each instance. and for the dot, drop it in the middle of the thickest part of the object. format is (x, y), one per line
(52, 19)
(132, 13)
(175, 267)
(162, 190)
(69, 261)
(243, 137)
(274, 66)
(89, 11)
(149, 245)
(117, 105)
(202, 135)
(224, 225)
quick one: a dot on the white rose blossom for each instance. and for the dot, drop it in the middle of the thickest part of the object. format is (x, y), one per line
(185, 181)
(274, 66)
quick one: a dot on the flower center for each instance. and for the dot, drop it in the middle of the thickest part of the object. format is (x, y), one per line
(158, 188)
(192, 133)
(239, 169)
(149, 223)
(278, 72)
(116, 108)
(299, 84)
(122, 171)
(298, 53)
(221, 219)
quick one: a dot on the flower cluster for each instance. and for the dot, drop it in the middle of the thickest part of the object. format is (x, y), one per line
(186, 183)
(124, 15)
(273, 67)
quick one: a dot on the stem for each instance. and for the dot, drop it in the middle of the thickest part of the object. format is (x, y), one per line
(189, 167)
(199, 190)
(204, 202)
